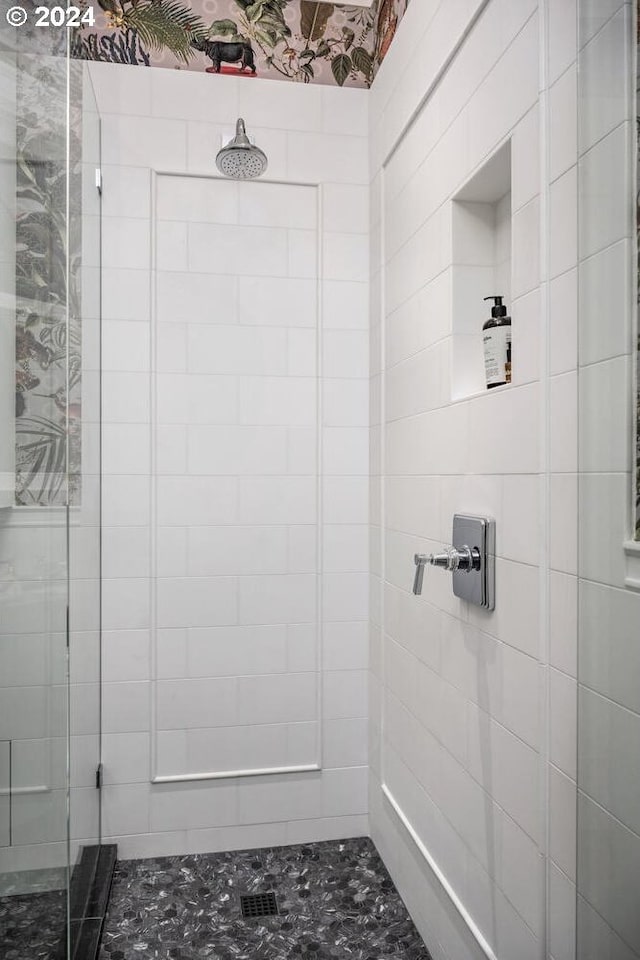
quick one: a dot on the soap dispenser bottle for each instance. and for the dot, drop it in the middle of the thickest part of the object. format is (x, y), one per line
(496, 338)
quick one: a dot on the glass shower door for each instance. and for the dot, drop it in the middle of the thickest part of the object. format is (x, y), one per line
(84, 467)
(49, 490)
(34, 490)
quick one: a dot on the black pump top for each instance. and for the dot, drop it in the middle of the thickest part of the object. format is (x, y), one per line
(498, 310)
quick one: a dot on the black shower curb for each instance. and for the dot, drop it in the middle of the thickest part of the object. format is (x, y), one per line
(88, 901)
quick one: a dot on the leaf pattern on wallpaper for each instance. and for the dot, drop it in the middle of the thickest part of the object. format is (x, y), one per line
(300, 40)
(389, 16)
(314, 18)
(263, 23)
(48, 357)
(341, 66)
(158, 24)
(111, 48)
(325, 43)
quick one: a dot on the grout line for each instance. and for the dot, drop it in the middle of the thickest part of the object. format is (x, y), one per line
(545, 488)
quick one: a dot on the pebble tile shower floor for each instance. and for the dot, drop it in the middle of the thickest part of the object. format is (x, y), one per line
(31, 925)
(336, 901)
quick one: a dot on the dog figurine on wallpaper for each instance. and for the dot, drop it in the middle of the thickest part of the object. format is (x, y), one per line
(220, 51)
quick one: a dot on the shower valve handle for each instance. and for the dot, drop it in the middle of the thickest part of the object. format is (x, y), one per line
(452, 558)
(419, 559)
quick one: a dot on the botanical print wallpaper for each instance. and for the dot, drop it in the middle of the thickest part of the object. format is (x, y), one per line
(48, 364)
(300, 40)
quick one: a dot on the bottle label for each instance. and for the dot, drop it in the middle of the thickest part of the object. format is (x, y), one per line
(496, 342)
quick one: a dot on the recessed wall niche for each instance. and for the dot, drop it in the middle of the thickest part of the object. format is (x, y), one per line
(481, 266)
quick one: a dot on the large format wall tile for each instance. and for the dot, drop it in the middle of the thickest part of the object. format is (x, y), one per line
(222, 442)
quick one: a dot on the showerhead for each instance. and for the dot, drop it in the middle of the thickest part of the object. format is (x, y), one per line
(240, 159)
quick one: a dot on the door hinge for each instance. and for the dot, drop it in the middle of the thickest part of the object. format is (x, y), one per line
(98, 179)
(99, 777)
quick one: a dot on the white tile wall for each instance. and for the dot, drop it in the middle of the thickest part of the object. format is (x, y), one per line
(605, 78)
(608, 862)
(608, 713)
(563, 123)
(606, 217)
(249, 380)
(456, 729)
(563, 18)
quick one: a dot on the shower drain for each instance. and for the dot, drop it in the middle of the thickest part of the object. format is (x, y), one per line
(259, 905)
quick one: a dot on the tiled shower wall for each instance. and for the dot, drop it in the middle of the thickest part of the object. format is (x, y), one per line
(473, 713)
(609, 612)
(236, 494)
(235, 462)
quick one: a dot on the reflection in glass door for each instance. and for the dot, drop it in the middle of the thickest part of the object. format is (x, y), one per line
(33, 520)
(49, 487)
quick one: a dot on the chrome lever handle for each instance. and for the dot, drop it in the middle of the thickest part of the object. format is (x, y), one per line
(420, 559)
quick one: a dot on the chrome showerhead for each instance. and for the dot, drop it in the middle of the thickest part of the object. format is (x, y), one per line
(240, 159)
